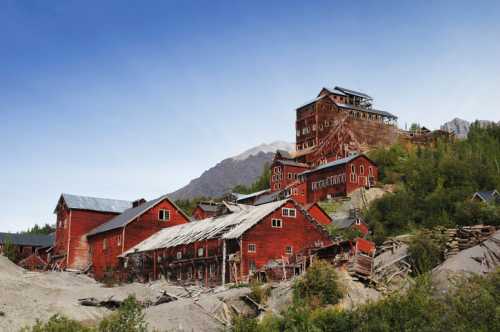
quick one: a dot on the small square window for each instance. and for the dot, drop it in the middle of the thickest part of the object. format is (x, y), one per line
(277, 223)
(289, 250)
(252, 247)
(179, 255)
(164, 215)
(287, 212)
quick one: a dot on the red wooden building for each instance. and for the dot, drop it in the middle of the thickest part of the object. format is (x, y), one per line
(30, 248)
(76, 216)
(339, 178)
(228, 248)
(205, 210)
(111, 239)
(284, 171)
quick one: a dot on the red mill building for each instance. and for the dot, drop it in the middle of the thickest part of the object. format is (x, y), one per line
(339, 122)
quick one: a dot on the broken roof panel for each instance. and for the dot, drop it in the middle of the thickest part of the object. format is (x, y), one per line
(78, 202)
(227, 226)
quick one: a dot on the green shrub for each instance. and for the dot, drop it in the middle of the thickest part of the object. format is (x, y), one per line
(128, 318)
(318, 286)
(58, 323)
(426, 251)
(259, 292)
(10, 251)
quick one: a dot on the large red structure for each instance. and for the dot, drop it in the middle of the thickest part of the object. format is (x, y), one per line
(76, 216)
(111, 239)
(284, 171)
(339, 178)
(228, 248)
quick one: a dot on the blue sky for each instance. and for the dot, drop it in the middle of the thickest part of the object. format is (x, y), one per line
(131, 99)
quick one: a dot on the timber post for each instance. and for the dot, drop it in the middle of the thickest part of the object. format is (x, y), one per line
(224, 249)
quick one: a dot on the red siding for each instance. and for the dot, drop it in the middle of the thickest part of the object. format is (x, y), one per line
(280, 175)
(271, 242)
(135, 232)
(71, 234)
(199, 214)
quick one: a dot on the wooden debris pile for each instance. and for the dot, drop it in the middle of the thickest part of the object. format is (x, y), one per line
(113, 304)
(391, 264)
(466, 237)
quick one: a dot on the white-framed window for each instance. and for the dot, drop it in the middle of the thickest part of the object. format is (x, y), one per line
(200, 252)
(353, 168)
(290, 176)
(276, 223)
(358, 222)
(277, 169)
(361, 169)
(370, 170)
(179, 255)
(252, 247)
(252, 267)
(164, 215)
(105, 244)
(288, 250)
(118, 240)
(288, 212)
(353, 177)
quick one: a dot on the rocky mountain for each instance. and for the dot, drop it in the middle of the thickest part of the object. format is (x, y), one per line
(461, 127)
(244, 169)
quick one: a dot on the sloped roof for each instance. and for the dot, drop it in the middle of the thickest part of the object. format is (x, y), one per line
(35, 240)
(131, 214)
(292, 163)
(334, 163)
(78, 202)
(257, 193)
(335, 91)
(487, 196)
(352, 92)
(268, 198)
(208, 207)
(227, 226)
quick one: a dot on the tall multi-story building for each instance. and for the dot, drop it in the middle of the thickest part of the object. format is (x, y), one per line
(339, 122)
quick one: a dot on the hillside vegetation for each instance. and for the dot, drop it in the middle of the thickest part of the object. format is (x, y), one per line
(434, 185)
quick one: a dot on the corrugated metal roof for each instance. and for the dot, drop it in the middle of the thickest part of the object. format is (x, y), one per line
(312, 101)
(35, 240)
(333, 164)
(94, 203)
(352, 92)
(292, 163)
(487, 196)
(131, 214)
(257, 193)
(208, 207)
(336, 91)
(268, 198)
(228, 226)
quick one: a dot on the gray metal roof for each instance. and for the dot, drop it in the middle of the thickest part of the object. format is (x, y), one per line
(229, 226)
(311, 101)
(352, 92)
(333, 163)
(208, 207)
(242, 197)
(292, 163)
(368, 110)
(35, 240)
(487, 196)
(131, 214)
(94, 204)
(335, 91)
(268, 198)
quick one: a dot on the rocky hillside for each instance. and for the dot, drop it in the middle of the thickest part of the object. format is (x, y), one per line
(244, 169)
(461, 127)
